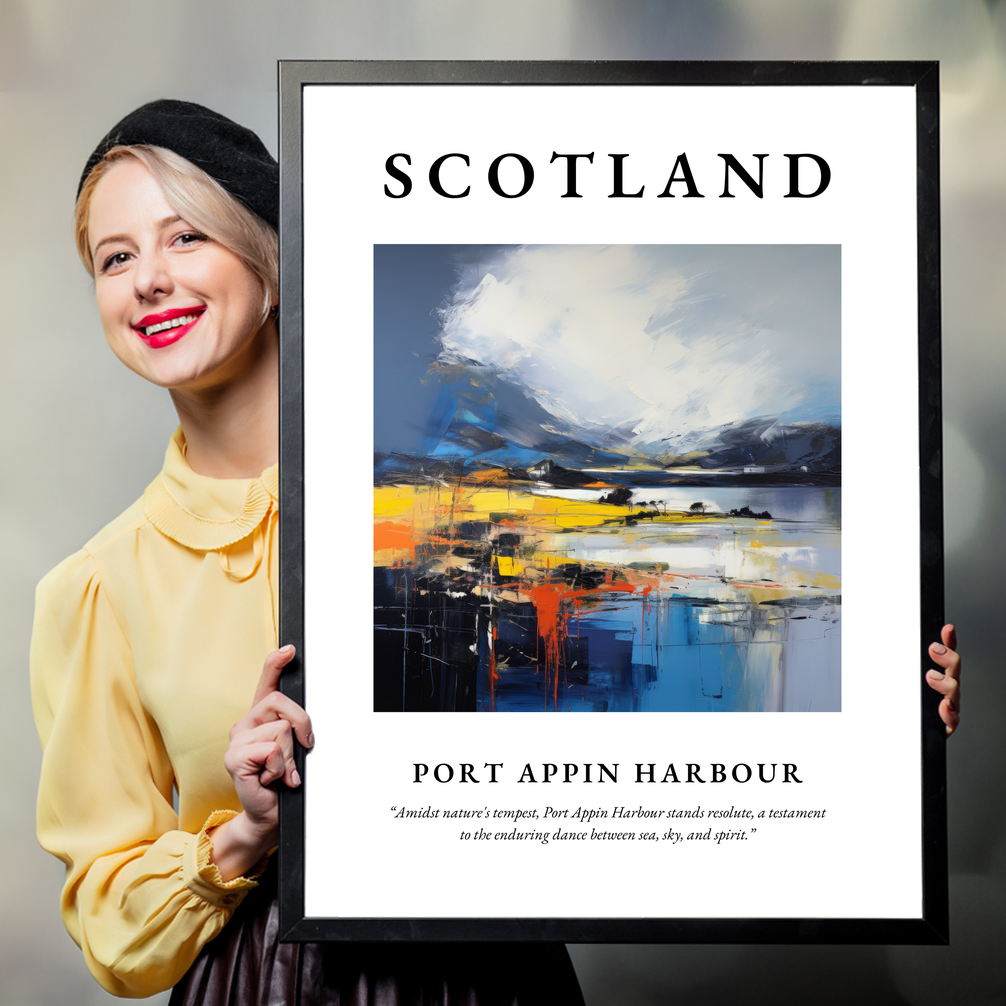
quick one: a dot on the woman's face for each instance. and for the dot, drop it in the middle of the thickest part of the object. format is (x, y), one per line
(177, 308)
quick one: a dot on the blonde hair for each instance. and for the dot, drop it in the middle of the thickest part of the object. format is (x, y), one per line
(199, 200)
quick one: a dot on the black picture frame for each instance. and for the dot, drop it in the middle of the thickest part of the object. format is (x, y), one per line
(931, 927)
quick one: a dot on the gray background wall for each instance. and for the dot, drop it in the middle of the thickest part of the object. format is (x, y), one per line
(81, 436)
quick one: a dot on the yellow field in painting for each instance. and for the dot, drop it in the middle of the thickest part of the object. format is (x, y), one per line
(711, 554)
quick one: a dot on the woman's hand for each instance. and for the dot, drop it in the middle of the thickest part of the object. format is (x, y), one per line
(947, 682)
(260, 753)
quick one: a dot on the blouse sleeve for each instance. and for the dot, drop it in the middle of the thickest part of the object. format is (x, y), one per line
(141, 898)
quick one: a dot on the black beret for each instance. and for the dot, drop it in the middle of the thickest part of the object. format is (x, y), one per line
(231, 154)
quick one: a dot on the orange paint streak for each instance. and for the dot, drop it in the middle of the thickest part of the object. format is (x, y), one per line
(388, 534)
(552, 630)
(493, 676)
(490, 476)
(554, 602)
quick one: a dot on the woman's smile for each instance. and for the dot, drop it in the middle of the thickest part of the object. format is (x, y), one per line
(166, 327)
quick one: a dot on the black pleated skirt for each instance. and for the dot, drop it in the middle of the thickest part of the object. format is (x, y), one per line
(246, 965)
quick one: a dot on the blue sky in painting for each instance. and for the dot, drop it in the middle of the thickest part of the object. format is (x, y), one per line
(503, 351)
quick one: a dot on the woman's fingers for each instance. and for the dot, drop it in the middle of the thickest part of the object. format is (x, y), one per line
(949, 711)
(946, 657)
(277, 706)
(949, 688)
(270, 703)
(271, 671)
(277, 735)
(950, 716)
(261, 761)
(949, 636)
(261, 749)
(947, 681)
(274, 766)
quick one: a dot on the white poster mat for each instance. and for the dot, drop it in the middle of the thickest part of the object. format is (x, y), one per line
(860, 765)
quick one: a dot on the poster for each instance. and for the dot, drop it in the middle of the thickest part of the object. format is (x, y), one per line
(601, 384)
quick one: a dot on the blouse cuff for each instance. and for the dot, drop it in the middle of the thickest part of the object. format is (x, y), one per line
(202, 876)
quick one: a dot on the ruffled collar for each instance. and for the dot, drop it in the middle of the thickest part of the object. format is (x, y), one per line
(203, 513)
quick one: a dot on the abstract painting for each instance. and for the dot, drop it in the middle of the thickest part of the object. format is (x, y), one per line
(607, 478)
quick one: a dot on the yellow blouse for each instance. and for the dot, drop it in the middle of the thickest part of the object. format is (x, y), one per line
(147, 647)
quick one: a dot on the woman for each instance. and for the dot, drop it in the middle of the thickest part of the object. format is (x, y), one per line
(149, 642)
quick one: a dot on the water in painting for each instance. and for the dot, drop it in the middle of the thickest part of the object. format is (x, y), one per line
(607, 479)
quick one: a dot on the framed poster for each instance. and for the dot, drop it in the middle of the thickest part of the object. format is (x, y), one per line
(610, 418)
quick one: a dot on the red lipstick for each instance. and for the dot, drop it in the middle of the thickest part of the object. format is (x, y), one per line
(165, 333)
